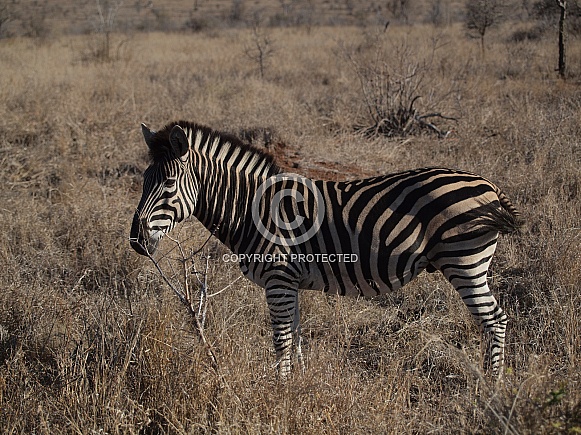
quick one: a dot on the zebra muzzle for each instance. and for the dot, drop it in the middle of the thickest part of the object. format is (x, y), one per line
(142, 239)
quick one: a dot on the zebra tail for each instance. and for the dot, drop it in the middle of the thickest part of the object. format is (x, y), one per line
(505, 219)
(507, 204)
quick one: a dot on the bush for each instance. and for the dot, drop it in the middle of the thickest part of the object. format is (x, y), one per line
(392, 79)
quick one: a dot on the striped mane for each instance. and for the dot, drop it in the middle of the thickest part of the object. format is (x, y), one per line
(160, 149)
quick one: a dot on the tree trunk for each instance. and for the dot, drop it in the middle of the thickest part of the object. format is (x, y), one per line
(562, 38)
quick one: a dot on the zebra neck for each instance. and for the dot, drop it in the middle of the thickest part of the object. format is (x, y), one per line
(229, 175)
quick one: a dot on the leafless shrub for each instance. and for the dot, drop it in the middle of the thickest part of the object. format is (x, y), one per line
(185, 270)
(260, 49)
(436, 13)
(481, 15)
(106, 47)
(391, 82)
(195, 23)
(177, 267)
(531, 34)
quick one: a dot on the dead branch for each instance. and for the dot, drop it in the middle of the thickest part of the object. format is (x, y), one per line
(439, 115)
(185, 298)
(179, 283)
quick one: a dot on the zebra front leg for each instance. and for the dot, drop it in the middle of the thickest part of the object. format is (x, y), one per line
(282, 305)
(297, 336)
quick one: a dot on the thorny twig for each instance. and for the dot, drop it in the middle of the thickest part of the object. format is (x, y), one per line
(185, 294)
(187, 298)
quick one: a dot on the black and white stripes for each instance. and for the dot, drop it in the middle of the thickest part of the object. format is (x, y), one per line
(370, 236)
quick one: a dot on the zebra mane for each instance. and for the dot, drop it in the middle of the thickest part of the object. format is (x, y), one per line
(160, 149)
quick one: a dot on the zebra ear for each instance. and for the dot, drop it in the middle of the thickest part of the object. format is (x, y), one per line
(147, 134)
(179, 141)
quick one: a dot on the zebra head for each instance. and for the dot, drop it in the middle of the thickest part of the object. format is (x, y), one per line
(169, 188)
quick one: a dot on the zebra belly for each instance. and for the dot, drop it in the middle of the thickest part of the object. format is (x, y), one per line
(351, 279)
(351, 268)
(346, 278)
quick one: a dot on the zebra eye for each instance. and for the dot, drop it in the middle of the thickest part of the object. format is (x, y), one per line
(169, 183)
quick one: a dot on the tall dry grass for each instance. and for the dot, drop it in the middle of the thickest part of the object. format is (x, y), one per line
(92, 341)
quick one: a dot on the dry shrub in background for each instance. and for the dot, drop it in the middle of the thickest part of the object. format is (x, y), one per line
(396, 74)
(260, 49)
(92, 339)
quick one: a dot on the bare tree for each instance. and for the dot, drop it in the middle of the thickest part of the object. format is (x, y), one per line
(481, 15)
(107, 11)
(261, 47)
(568, 23)
(562, 38)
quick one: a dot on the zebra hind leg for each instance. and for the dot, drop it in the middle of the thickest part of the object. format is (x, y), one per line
(491, 318)
(494, 339)
(470, 282)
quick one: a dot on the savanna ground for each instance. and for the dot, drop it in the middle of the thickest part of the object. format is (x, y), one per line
(93, 341)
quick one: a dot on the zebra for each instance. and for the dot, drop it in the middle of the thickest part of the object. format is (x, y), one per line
(372, 236)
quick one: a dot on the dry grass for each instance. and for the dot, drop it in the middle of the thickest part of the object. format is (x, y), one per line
(91, 341)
